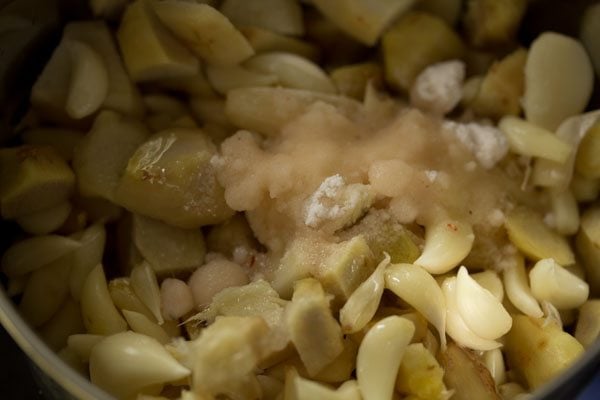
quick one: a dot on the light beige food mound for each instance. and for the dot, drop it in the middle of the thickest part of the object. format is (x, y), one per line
(273, 179)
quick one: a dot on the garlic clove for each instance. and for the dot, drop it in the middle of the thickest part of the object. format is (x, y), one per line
(176, 298)
(100, 316)
(30, 254)
(518, 291)
(143, 325)
(552, 282)
(490, 281)
(299, 388)
(481, 311)
(292, 71)
(530, 140)
(145, 285)
(447, 243)
(45, 221)
(494, 361)
(125, 363)
(363, 302)
(89, 80)
(224, 79)
(86, 257)
(456, 327)
(383, 346)
(83, 343)
(418, 288)
(571, 75)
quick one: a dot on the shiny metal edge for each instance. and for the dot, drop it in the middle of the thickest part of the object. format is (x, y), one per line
(44, 357)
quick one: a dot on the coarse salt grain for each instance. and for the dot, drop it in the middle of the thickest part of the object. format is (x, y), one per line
(487, 143)
(337, 204)
(317, 211)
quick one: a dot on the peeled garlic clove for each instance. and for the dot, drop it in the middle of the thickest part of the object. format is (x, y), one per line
(30, 254)
(162, 56)
(456, 327)
(490, 281)
(125, 363)
(299, 388)
(518, 291)
(65, 322)
(46, 290)
(418, 288)
(124, 297)
(383, 346)
(362, 304)
(224, 79)
(527, 230)
(82, 344)
(89, 80)
(176, 298)
(292, 71)
(530, 140)
(565, 210)
(495, 364)
(100, 316)
(86, 257)
(571, 75)
(245, 107)
(145, 286)
(447, 243)
(141, 324)
(552, 282)
(572, 130)
(205, 31)
(46, 221)
(481, 311)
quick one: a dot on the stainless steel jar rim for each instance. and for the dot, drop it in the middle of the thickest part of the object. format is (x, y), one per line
(44, 357)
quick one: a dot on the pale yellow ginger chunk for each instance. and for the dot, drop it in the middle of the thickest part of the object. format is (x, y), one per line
(420, 374)
(314, 331)
(256, 299)
(345, 267)
(225, 355)
(539, 351)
